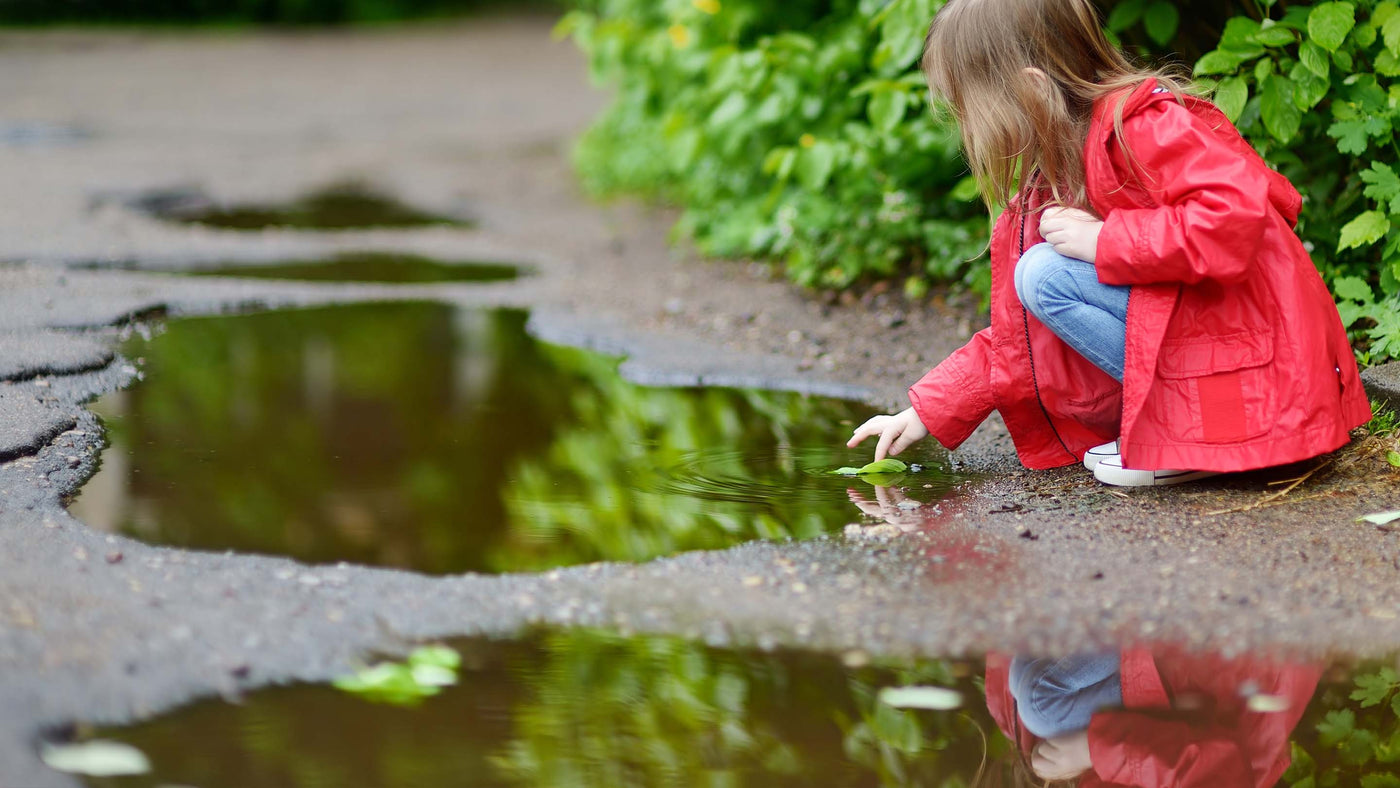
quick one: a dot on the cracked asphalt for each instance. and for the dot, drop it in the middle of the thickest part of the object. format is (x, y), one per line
(475, 120)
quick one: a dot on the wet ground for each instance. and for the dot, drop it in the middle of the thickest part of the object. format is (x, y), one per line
(474, 122)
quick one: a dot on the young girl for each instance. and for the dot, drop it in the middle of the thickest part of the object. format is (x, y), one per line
(1152, 308)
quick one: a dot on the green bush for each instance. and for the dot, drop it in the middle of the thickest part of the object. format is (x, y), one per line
(801, 133)
(798, 132)
(1312, 89)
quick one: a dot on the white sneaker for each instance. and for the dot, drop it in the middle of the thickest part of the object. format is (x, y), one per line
(1110, 470)
(1098, 454)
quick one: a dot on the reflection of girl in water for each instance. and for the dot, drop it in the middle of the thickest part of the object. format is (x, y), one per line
(1138, 720)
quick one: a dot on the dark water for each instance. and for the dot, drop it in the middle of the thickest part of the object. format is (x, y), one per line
(338, 206)
(592, 709)
(386, 268)
(419, 436)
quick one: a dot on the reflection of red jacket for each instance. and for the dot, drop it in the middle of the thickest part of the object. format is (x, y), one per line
(1236, 358)
(1183, 723)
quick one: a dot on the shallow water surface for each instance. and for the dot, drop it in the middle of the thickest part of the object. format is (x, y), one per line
(338, 206)
(419, 436)
(379, 267)
(587, 708)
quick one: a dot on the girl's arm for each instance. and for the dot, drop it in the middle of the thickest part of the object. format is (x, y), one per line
(1212, 204)
(956, 396)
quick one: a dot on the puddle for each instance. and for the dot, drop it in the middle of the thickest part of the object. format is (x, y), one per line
(419, 436)
(592, 709)
(339, 206)
(384, 268)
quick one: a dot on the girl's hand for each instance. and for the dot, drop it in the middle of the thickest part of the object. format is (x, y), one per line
(1062, 758)
(1073, 233)
(897, 433)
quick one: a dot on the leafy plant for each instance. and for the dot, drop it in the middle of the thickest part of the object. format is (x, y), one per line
(795, 132)
(1312, 88)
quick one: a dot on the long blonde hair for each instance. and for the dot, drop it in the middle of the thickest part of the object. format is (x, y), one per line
(1017, 122)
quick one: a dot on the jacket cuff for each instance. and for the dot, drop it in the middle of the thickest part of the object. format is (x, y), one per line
(939, 400)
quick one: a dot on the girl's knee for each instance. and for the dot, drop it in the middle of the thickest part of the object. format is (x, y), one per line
(1035, 266)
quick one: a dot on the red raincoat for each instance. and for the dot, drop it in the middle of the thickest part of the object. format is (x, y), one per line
(1184, 722)
(1236, 358)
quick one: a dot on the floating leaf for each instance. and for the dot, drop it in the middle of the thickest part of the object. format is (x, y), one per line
(1384, 518)
(935, 698)
(889, 465)
(96, 758)
(426, 672)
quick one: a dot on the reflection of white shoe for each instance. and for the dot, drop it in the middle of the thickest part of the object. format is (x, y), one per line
(1097, 454)
(1110, 470)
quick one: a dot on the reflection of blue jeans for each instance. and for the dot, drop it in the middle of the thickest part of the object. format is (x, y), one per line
(1066, 295)
(1055, 697)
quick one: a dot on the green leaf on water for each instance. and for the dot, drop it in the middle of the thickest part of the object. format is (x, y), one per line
(889, 465)
(1384, 518)
(424, 674)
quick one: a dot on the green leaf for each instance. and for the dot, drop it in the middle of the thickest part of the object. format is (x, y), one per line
(729, 110)
(887, 465)
(1329, 24)
(1384, 518)
(886, 109)
(1387, 64)
(815, 165)
(1380, 781)
(1222, 61)
(1335, 727)
(1314, 58)
(1281, 116)
(1390, 33)
(1393, 457)
(1352, 288)
(1384, 12)
(1350, 135)
(1308, 88)
(1239, 33)
(1125, 14)
(1231, 95)
(1364, 230)
(1275, 37)
(966, 190)
(1372, 689)
(1383, 185)
(1161, 21)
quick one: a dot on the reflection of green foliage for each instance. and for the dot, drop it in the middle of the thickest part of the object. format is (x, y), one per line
(584, 708)
(414, 435)
(1351, 738)
(607, 487)
(611, 711)
(370, 267)
(338, 206)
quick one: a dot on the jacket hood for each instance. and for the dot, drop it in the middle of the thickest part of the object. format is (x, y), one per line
(1103, 138)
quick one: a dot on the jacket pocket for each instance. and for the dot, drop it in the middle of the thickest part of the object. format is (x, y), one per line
(1216, 389)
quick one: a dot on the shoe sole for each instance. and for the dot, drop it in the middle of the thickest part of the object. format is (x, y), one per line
(1124, 477)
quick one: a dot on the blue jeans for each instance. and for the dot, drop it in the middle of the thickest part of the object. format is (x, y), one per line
(1055, 697)
(1066, 295)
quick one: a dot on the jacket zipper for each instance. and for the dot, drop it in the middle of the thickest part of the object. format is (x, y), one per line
(1030, 354)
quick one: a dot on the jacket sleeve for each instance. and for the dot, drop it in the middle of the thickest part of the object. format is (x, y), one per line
(1211, 203)
(956, 396)
(1132, 748)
